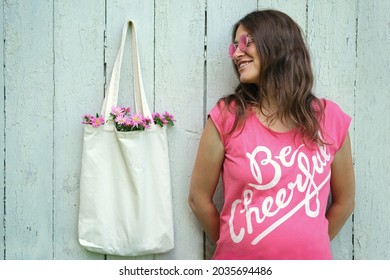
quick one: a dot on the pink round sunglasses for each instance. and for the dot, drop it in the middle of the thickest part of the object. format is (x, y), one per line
(244, 41)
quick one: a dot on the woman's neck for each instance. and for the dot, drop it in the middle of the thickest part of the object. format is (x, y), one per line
(269, 116)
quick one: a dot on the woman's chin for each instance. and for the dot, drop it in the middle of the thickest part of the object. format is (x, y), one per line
(246, 80)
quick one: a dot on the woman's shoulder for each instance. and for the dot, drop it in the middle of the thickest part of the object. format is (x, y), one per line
(336, 121)
(331, 108)
(224, 109)
(223, 115)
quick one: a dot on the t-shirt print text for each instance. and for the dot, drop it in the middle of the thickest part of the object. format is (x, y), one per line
(308, 168)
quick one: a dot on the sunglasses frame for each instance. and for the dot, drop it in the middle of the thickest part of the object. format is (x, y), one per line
(243, 43)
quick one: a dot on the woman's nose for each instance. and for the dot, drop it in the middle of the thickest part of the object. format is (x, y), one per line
(238, 53)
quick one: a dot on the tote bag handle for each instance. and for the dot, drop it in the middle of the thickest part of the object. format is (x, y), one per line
(111, 98)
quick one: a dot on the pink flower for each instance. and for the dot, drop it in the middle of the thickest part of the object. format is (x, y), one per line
(127, 120)
(169, 117)
(156, 114)
(121, 119)
(147, 122)
(124, 121)
(137, 120)
(97, 121)
(86, 119)
(158, 119)
(117, 110)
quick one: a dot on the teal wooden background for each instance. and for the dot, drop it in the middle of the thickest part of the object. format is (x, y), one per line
(58, 55)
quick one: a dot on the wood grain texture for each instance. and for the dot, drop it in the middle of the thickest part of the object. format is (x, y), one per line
(2, 142)
(58, 58)
(331, 39)
(296, 9)
(180, 35)
(29, 129)
(372, 212)
(79, 89)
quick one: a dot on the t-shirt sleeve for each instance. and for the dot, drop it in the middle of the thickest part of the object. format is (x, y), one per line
(215, 115)
(223, 119)
(337, 123)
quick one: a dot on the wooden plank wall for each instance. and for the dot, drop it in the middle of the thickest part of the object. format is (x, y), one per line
(372, 127)
(57, 58)
(2, 144)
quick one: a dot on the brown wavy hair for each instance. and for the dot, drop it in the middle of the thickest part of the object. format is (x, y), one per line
(286, 75)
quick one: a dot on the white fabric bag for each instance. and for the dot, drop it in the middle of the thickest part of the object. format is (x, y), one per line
(125, 192)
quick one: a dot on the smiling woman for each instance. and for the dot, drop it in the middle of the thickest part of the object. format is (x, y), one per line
(280, 150)
(245, 57)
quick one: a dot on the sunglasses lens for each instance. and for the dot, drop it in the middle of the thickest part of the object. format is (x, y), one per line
(242, 44)
(232, 49)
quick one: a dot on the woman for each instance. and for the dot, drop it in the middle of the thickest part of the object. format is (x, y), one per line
(280, 150)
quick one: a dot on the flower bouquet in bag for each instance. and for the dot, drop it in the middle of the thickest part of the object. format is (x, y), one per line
(127, 121)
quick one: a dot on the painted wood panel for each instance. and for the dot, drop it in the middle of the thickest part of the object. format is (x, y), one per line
(2, 142)
(29, 129)
(296, 9)
(372, 212)
(331, 39)
(79, 89)
(58, 57)
(180, 35)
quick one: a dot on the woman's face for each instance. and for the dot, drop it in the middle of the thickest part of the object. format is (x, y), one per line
(248, 61)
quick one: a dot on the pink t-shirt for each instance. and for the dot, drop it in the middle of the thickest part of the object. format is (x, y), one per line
(276, 189)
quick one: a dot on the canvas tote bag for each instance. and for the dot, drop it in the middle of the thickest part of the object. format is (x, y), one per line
(125, 192)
